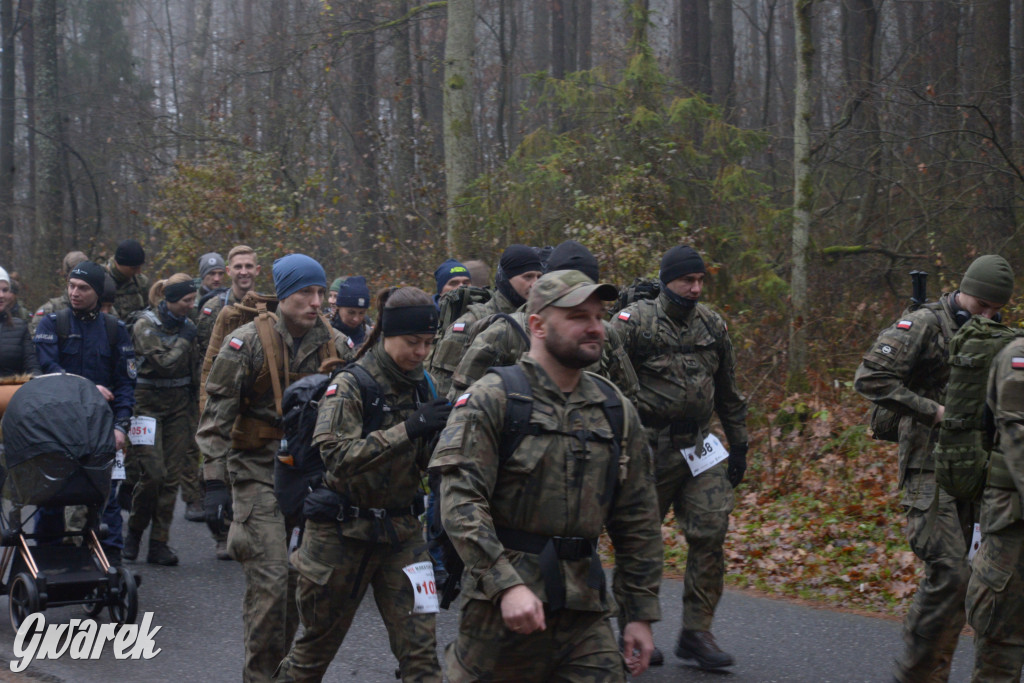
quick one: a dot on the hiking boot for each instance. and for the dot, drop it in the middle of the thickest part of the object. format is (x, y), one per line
(222, 550)
(160, 553)
(700, 648)
(131, 546)
(113, 554)
(194, 512)
(657, 658)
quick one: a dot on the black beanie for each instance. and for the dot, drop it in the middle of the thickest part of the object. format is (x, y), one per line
(130, 253)
(91, 274)
(518, 259)
(680, 261)
(571, 255)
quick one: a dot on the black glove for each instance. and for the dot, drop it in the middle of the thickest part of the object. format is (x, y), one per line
(188, 332)
(217, 506)
(428, 418)
(737, 463)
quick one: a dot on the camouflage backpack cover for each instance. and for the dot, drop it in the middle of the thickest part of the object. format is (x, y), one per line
(456, 302)
(967, 430)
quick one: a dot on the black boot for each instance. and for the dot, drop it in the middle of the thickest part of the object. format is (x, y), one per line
(699, 647)
(131, 545)
(160, 553)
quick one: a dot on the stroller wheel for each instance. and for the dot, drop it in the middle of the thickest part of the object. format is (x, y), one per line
(93, 609)
(23, 598)
(124, 603)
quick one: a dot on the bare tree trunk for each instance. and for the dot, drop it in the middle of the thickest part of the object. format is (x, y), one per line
(721, 48)
(196, 59)
(28, 67)
(405, 161)
(695, 45)
(459, 140)
(992, 85)
(803, 195)
(558, 38)
(363, 119)
(7, 110)
(584, 34)
(860, 28)
(49, 198)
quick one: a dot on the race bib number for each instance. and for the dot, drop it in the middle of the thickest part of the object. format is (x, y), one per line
(704, 457)
(118, 473)
(975, 542)
(421, 575)
(143, 431)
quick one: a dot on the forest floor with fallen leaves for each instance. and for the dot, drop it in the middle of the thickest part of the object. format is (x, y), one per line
(817, 517)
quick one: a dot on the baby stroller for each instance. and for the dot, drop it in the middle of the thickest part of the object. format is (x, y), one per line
(58, 449)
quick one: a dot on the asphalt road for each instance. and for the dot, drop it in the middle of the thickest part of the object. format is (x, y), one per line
(198, 608)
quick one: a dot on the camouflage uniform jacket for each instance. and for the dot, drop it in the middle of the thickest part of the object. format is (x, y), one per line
(382, 469)
(234, 389)
(449, 349)
(57, 303)
(500, 345)
(20, 312)
(132, 293)
(1001, 500)
(687, 371)
(554, 484)
(206, 316)
(905, 371)
(164, 358)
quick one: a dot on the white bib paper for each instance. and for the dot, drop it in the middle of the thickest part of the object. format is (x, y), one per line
(421, 575)
(143, 431)
(975, 542)
(709, 454)
(118, 473)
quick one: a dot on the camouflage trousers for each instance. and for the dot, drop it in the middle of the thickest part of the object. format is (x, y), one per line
(258, 539)
(702, 505)
(574, 647)
(159, 466)
(995, 606)
(329, 595)
(191, 479)
(936, 615)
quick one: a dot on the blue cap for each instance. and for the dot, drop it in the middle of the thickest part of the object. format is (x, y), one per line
(447, 270)
(353, 293)
(296, 271)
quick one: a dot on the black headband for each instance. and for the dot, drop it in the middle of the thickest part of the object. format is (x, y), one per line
(179, 290)
(401, 320)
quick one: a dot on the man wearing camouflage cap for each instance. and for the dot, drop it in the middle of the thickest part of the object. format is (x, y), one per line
(526, 522)
(683, 355)
(905, 371)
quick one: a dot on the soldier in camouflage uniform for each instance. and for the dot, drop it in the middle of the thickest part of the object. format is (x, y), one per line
(372, 483)
(242, 268)
(167, 388)
(995, 592)
(518, 269)
(57, 303)
(541, 614)
(126, 269)
(905, 371)
(500, 344)
(684, 358)
(239, 436)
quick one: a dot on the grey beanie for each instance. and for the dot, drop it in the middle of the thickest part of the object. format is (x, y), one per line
(990, 278)
(208, 262)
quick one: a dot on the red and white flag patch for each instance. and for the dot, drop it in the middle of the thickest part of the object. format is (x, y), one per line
(207, 310)
(235, 343)
(351, 344)
(624, 315)
(40, 312)
(462, 400)
(331, 391)
(904, 324)
(459, 327)
(1017, 362)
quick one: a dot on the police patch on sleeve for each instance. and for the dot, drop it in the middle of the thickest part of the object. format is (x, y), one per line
(236, 343)
(904, 324)
(132, 367)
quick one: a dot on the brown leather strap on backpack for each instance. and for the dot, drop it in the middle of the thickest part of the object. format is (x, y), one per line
(269, 340)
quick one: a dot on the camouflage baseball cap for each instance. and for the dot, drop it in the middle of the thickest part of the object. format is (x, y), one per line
(565, 289)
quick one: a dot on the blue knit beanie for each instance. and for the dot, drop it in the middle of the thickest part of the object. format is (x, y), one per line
(295, 271)
(353, 293)
(447, 270)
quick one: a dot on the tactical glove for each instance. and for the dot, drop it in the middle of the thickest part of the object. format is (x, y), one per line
(188, 332)
(737, 463)
(428, 418)
(217, 506)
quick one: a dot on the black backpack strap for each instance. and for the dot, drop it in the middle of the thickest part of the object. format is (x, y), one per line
(111, 322)
(63, 325)
(615, 413)
(518, 408)
(515, 325)
(373, 401)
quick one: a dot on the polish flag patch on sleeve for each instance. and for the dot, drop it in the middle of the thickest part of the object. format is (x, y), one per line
(331, 391)
(235, 343)
(207, 310)
(1017, 362)
(904, 324)
(351, 344)
(462, 400)
(459, 327)
(624, 315)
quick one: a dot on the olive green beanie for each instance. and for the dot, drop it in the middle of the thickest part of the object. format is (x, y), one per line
(990, 278)
(336, 285)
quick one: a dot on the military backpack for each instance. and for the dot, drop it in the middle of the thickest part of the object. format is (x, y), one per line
(455, 303)
(967, 431)
(642, 288)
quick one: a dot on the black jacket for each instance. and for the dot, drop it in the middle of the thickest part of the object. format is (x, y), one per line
(17, 352)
